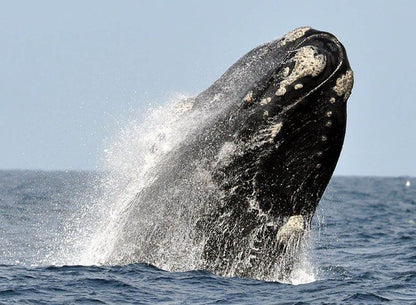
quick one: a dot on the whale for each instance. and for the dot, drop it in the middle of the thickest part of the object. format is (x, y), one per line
(237, 193)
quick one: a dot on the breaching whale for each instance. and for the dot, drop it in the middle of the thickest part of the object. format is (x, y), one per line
(237, 193)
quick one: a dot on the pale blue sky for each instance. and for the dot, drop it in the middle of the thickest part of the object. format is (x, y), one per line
(72, 73)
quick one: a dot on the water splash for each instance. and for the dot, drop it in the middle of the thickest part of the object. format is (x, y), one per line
(304, 271)
(117, 225)
(130, 164)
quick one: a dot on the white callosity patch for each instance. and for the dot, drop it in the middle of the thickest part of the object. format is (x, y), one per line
(248, 98)
(295, 34)
(294, 227)
(286, 72)
(308, 62)
(344, 84)
(265, 101)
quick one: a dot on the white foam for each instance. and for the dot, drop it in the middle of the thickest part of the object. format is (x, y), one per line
(274, 130)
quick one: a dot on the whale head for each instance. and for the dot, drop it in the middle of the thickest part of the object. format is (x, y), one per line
(283, 108)
(291, 118)
(295, 120)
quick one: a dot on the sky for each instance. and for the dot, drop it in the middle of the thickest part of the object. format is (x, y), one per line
(72, 73)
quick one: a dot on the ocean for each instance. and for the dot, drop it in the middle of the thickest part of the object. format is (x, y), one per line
(361, 250)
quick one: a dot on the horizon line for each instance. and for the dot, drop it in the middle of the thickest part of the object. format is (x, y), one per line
(103, 170)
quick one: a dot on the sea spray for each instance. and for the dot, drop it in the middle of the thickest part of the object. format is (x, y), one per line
(228, 181)
(131, 164)
(114, 225)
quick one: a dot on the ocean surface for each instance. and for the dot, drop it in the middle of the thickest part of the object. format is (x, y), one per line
(361, 250)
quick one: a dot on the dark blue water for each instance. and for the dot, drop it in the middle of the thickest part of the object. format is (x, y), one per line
(363, 251)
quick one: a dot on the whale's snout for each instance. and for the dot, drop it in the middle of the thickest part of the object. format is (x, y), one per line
(312, 61)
